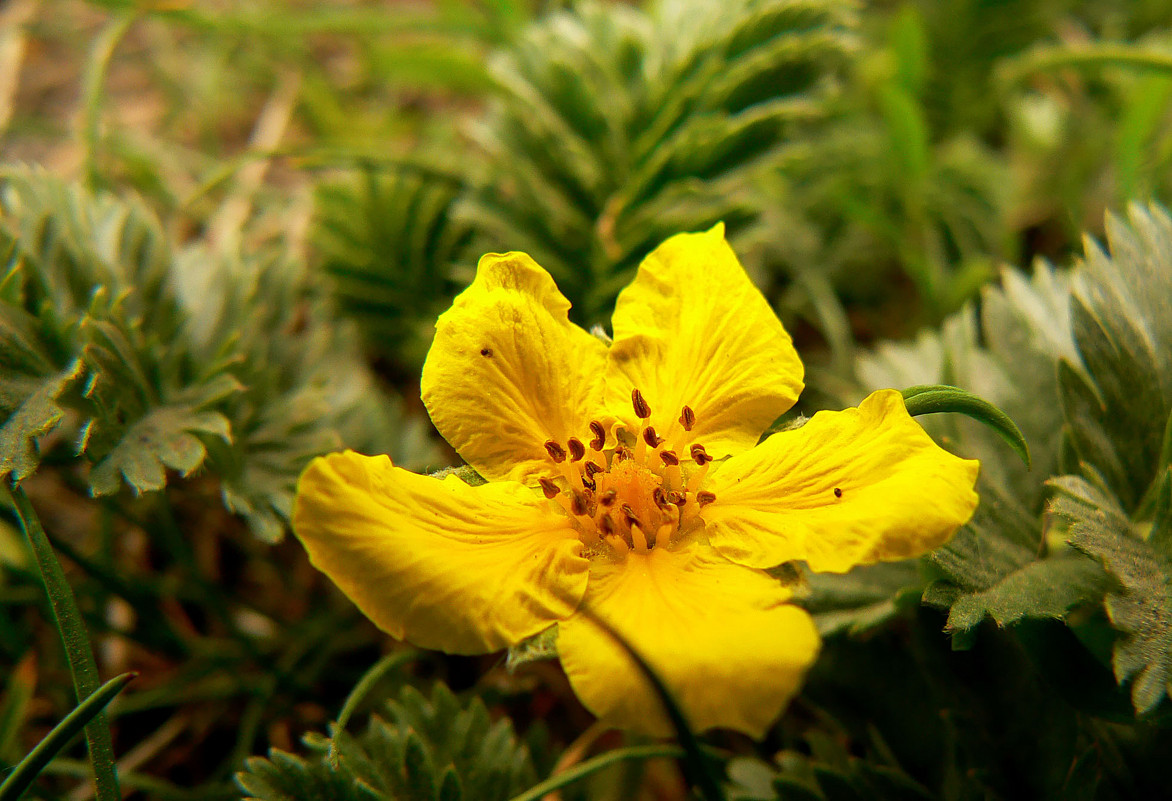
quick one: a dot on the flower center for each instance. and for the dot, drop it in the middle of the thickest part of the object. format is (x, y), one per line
(633, 494)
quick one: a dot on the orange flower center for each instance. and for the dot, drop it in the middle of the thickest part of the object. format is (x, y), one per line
(633, 494)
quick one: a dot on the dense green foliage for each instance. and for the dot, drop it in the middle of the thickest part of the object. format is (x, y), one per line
(244, 220)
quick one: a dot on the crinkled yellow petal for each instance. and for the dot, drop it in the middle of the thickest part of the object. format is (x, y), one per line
(692, 330)
(719, 635)
(508, 370)
(848, 488)
(438, 562)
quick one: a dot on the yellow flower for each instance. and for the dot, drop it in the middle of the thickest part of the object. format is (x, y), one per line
(627, 480)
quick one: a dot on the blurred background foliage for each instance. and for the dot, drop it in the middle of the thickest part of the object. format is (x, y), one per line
(227, 229)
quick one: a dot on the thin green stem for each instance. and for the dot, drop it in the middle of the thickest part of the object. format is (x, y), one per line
(591, 766)
(74, 637)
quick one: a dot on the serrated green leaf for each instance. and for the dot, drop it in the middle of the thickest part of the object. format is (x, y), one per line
(615, 128)
(1046, 588)
(421, 749)
(37, 414)
(165, 438)
(937, 399)
(1142, 609)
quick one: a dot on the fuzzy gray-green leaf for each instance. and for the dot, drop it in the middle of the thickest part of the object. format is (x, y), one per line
(1142, 608)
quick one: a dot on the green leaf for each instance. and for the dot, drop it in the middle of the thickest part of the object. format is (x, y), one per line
(419, 749)
(864, 598)
(935, 399)
(1117, 412)
(540, 647)
(27, 770)
(36, 414)
(1141, 609)
(615, 128)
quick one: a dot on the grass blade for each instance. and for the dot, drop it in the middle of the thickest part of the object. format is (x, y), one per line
(590, 766)
(82, 666)
(30, 767)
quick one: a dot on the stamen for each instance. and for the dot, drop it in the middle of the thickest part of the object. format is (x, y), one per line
(606, 526)
(578, 503)
(577, 449)
(639, 539)
(669, 458)
(688, 418)
(677, 498)
(699, 455)
(642, 410)
(704, 498)
(607, 498)
(629, 512)
(599, 441)
(548, 488)
(622, 453)
(619, 546)
(593, 469)
(555, 451)
(651, 438)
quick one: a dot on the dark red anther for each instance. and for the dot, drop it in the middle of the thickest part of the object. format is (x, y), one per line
(688, 418)
(669, 458)
(699, 455)
(607, 498)
(642, 410)
(578, 503)
(555, 451)
(599, 441)
(704, 498)
(577, 449)
(651, 438)
(548, 488)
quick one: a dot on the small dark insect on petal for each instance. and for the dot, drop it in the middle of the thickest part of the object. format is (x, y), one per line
(837, 492)
(486, 351)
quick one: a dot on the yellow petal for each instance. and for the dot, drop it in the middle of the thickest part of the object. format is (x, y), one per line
(719, 635)
(508, 370)
(692, 330)
(848, 488)
(438, 562)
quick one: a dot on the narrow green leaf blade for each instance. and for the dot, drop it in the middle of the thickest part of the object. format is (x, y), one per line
(938, 398)
(28, 768)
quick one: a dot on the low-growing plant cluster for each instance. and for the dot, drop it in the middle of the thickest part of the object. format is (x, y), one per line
(227, 232)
